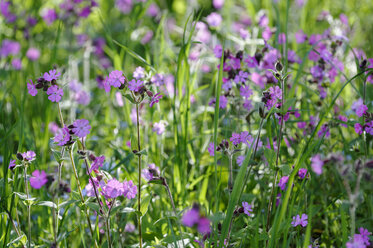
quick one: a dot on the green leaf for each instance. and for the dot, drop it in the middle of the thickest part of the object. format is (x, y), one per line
(21, 239)
(127, 210)
(93, 205)
(285, 168)
(130, 98)
(145, 204)
(47, 203)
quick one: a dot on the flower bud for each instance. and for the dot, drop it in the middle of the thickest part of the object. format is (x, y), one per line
(19, 156)
(149, 93)
(279, 66)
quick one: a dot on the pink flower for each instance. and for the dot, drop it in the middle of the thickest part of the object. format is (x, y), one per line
(135, 85)
(38, 179)
(214, 19)
(50, 16)
(245, 91)
(302, 221)
(62, 137)
(33, 54)
(317, 163)
(359, 108)
(12, 164)
(218, 4)
(240, 160)
(54, 93)
(159, 127)
(204, 225)
(257, 79)
(29, 155)
(247, 208)
(31, 88)
(283, 181)
(302, 173)
(358, 128)
(211, 149)
(191, 217)
(300, 37)
(53, 74)
(98, 162)
(218, 51)
(81, 128)
(155, 99)
(116, 78)
(139, 73)
(112, 189)
(130, 190)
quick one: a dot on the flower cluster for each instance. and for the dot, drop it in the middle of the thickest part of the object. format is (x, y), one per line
(79, 128)
(151, 172)
(48, 82)
(360, 240)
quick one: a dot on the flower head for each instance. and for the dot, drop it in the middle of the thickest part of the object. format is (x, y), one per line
(302, 173)
(52, 74)
(302, 221)
(62, 136)
(204, 225)
(116, 78)
(247, 208)
(283, 181)
(29, 155)
(150, 172)
(316, 164)
(112, 189)
(54, 93)
(12, 164)
(155, 99)
(81, 128)
(159, 127)
(129, 189)
(139, 73)
(191, 217)
(38, 179)
(135, 85)
(31, 88)
(97, 162)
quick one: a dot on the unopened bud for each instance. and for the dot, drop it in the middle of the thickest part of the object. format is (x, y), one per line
(278, 66)
(19, 156)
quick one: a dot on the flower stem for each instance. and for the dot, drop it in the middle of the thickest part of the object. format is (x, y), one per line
(28, 208)
(81, 195)
(139, 183)
(230, 179)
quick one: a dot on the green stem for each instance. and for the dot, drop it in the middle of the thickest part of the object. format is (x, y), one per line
(139, 167)
(28, 207)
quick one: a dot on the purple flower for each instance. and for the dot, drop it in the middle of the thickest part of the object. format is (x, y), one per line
(317, 73)
(300, 37)
(50, 16)
(251, 62)
(204, 225)
(369, 127)
(38, 179)
(191, 217)
(241, 77)
(344, 119)
(316, 164)
(82, 97)
(358, 128)
(116, 78)
(9, 47)
(247, 104)
(240, 160)
(54, 93)
(147, 37)
(33, 54)
(257, 79)
(247, 208)
(214, 19)
(98, 162)
(235, 139)
(112, 189)
(211, 149)
(356, 242)
(125, 6)
(293, 57)
(159, 127)
(155, 99)
(62, 136)
(53, 74)
(139, 73)
(17, 64)
(81, 128)
(324, 130)
(223, 102)
(130, 189)
(218, 51)
(31, 88)
(267, 33)
(149, 172)
(29, 155)
(282, 182)
(158, 79)
(365, 235)
(302, 173)
(129, 228)
(297, 220)
(246, 138)
(218, 4)
(12, 164)
(153, 10)
(135, 85)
